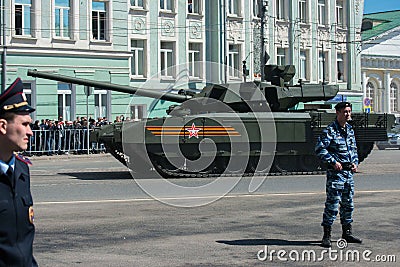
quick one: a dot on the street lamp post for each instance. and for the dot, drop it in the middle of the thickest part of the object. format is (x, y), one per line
(88, 92)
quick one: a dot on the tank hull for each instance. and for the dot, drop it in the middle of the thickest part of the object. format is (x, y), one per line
(231, 144)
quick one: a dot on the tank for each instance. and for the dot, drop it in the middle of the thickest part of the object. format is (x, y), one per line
(242, 128)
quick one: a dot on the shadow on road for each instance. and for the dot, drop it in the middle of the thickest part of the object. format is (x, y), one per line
(270, 242)
(117, 175)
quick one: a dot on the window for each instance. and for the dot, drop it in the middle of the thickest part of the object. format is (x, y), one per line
(321, 12)
(256, 8)
(138, 60)
(303, 16)
(280, 9)
(339, 13)
(322, 66)
(101, 103)
(394, 93)
(234, 61)
(29, 95)
(64, 101)
(99, 20)
(371, 94)
(167, 59)
(194, 6)
(138, 112)
(281, 56)
(303, 65)
(62, 13)
(28, 92)
(340, 67)
(138, 3)
(194, 55)
(167, 5)
(23, 17)
(233, 7)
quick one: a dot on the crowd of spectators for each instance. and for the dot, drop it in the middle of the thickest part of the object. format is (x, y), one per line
(61, 137)
(64, 136)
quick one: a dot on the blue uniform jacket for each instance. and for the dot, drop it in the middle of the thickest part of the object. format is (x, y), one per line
(16, 218)
(337, 144)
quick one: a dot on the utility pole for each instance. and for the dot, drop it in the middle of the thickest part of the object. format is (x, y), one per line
(4, 55)
(262, 17)
(323, 65)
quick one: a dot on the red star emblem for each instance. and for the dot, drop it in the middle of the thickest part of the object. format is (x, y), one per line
(193, 131)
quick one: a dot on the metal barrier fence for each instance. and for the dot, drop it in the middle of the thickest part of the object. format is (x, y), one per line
(62, 141)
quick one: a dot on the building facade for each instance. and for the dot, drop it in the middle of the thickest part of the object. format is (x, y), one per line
(136, 42)
(381, 61)
(78, 38)
(320, 37)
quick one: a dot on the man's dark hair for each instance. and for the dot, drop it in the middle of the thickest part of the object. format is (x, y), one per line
(8, 116)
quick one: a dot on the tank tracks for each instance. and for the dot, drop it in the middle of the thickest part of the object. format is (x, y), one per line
(168, 173)
(121, 157)
(115, 151)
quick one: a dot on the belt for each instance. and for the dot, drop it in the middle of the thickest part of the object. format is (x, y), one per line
(346, 166)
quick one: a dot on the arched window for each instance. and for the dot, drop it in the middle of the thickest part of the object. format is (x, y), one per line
(394, 93)
(371, 94)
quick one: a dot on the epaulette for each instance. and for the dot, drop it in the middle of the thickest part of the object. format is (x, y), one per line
(23, 159)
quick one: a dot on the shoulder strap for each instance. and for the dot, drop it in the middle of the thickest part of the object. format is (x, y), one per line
(23, 159)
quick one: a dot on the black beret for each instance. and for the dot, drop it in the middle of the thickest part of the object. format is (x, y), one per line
(341, 105)
(13, 99)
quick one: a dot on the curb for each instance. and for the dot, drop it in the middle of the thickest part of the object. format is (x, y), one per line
(69, 156)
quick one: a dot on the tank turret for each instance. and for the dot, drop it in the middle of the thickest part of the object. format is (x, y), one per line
(240, 97)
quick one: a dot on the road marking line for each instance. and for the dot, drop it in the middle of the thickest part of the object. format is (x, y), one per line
(198, 197)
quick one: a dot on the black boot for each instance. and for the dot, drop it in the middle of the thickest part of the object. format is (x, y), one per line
(348, 236)
(326, 239)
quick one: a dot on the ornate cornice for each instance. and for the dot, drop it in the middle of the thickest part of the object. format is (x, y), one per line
(380, 62)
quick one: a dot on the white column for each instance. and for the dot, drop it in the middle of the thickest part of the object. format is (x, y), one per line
(387, 92)
(364, 84)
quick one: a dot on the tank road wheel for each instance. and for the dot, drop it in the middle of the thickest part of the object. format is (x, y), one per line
(285, 163)
(363, 150)
(167, 170)
(194, 168)
(163, 166)
(261, 165)
(235, 165)
(308, 163)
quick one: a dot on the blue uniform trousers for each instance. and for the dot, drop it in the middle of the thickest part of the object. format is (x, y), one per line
(339, 192)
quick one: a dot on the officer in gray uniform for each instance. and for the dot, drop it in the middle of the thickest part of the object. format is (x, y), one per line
(336, 146)
(16, 206)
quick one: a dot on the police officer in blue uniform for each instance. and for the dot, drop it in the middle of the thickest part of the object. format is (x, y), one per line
(16, 206)
(336, 147)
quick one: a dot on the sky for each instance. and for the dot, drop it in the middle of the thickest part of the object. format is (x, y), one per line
(373, 6)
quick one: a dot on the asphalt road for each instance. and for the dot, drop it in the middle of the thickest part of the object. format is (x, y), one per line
(90, 212)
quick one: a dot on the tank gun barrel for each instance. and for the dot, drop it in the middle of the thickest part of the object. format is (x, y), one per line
(110, 86)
